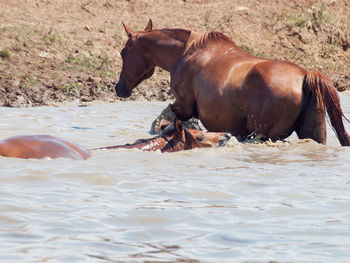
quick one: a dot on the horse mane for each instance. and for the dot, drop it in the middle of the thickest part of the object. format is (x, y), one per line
(144, 140)
(194, 39)
(199, 40)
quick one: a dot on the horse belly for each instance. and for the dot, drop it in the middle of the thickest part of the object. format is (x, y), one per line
(216, 117)
(235, 126)
(218, 103)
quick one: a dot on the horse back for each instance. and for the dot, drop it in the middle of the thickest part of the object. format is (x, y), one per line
(41, 146)
(277, 75)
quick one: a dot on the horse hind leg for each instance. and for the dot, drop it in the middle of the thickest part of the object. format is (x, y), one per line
(311, 123)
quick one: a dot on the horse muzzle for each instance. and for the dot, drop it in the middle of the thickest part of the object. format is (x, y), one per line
(122, 91)
(224, 139)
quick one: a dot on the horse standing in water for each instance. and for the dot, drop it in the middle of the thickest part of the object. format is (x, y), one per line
(175, 137)
(230, 90)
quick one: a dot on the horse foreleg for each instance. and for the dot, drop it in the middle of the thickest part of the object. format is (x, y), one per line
(187, 112)
(166, 117)
(184, 109)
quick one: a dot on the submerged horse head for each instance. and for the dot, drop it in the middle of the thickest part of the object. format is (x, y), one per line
(137, 66)
(180, 138)
(175, 137)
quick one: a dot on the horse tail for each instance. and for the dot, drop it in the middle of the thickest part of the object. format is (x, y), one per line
(321, 88)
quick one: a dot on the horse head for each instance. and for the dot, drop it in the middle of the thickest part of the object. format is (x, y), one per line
(175, 137)
(179, 138)
(137, 66)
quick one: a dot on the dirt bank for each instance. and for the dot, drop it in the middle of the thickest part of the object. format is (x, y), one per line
(60, 50)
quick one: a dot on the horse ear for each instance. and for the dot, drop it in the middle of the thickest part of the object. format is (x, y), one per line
(178, 125)
(128, 30)
(149, 25)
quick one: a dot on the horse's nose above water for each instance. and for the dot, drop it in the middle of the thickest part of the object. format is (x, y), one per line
(224, 138)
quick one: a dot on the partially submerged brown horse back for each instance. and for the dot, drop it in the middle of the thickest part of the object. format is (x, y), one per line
(175, 137)
(230, 90)
(41, 146)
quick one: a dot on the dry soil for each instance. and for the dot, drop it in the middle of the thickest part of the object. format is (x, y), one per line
(61, 50)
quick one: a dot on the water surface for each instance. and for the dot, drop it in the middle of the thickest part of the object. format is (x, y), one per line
(288, 202)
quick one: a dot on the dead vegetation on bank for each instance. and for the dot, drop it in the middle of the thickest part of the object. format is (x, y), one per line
(60, 50)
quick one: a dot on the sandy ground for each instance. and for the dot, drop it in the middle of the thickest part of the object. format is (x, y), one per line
(60, 50)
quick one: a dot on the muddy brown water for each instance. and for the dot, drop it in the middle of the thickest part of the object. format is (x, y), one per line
(278, 201)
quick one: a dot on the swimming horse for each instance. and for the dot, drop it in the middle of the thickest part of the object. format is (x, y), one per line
(175, 137)
(41, 146)
(230, 90)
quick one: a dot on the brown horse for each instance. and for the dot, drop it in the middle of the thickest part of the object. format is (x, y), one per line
(41, 146)
(230, 90)
(175, 137)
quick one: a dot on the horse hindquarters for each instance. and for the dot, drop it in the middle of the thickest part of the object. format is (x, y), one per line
(319, 93)
(271, 99)
(311, 123)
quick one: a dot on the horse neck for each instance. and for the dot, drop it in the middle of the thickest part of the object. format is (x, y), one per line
(166, 46)
(151, 144)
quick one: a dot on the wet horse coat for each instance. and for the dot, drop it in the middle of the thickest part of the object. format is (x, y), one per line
(175, 137)
(41, 146)
(230, 90)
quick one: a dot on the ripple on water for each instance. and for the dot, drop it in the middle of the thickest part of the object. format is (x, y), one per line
(247, 202)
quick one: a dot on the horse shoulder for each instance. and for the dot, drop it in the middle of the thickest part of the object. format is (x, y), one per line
(181, 77)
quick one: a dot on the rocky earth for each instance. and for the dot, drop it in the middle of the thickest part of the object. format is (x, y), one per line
(53, 51)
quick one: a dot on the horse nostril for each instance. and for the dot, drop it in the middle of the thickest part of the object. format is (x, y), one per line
(228, 136)
(116, 87)
(122, 91)
(224, 138)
